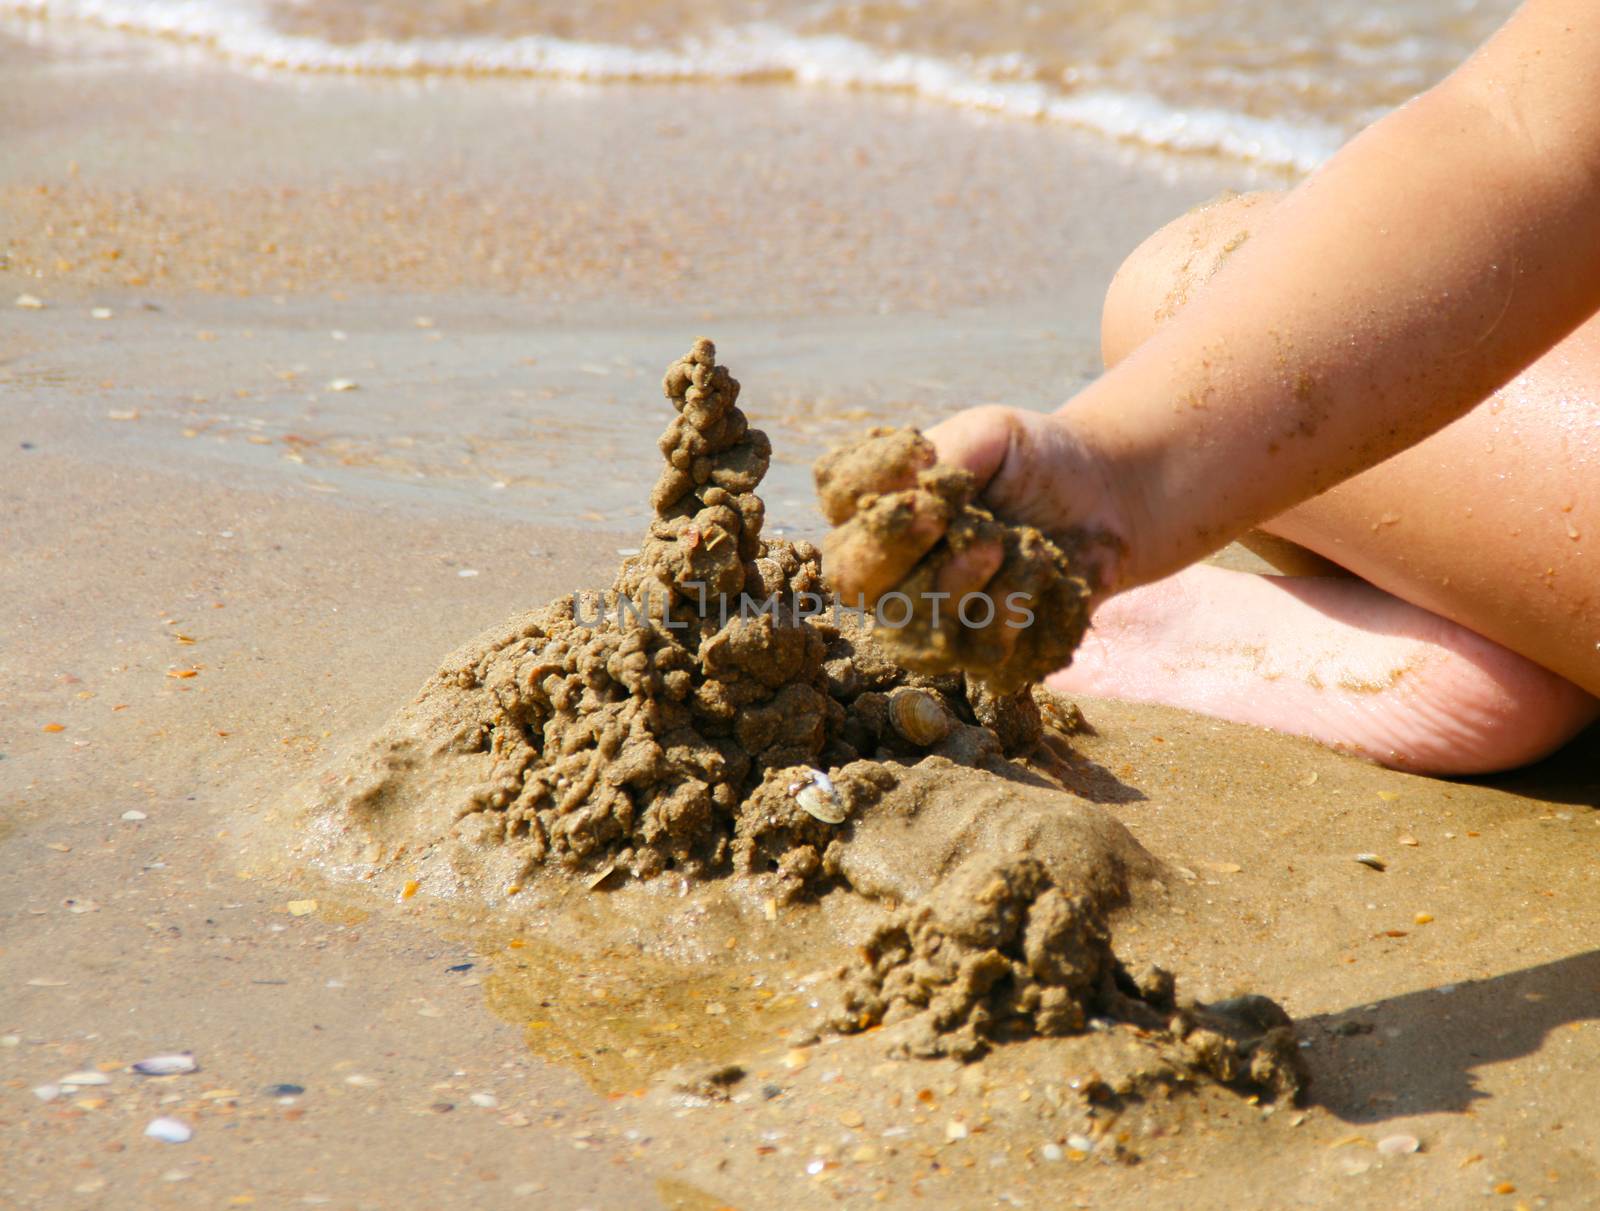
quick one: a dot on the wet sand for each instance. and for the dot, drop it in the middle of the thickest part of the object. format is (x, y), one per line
(176, 505)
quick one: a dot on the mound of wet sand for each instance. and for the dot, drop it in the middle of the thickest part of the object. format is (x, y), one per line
(1002, 950)
(686, 719)
(712, 714)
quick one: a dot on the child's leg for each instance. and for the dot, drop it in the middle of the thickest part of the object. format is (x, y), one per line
(1483, 525)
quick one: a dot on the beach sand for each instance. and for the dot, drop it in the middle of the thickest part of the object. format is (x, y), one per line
(373, 376)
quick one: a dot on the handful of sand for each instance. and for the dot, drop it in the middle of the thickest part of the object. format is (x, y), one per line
(1024, 624)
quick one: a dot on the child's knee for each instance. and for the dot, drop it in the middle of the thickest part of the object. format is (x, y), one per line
(1160, 275)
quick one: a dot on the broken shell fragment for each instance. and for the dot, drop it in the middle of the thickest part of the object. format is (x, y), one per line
(820, 799)
(821, 804)
(919, 717)
(1372, 860)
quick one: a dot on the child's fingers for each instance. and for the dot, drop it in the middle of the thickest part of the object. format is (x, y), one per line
(1014, 614)
(996, 619)
(875, 550)
(968, 570)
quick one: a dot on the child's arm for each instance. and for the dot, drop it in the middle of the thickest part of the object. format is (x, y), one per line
(1433, 258)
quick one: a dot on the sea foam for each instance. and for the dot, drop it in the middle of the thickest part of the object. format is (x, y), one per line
(241, 31)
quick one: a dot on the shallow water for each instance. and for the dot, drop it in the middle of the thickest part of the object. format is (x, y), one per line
(542, 420)
(1277, 83)
(500, 343)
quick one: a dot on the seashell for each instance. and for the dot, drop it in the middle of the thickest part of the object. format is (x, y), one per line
(820, 799)
(919, 717)
(1065, 716)
(169, 1131)
(1398, 1145)
(78, 1080)
(167, 1065)
(821, 804)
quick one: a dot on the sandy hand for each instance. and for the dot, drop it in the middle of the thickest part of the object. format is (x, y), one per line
(915, 517)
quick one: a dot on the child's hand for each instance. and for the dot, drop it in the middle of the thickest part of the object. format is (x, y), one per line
(1031, 469)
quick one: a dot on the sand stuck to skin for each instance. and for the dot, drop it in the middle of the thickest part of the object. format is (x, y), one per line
(714, 716)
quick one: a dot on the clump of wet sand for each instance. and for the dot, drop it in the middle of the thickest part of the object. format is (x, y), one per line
(1000, 950)
(1030, 617)
(713, 715)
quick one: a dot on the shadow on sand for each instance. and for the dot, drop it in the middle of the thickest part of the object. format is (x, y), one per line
(1570, 775)
(1083, 777)
(1420, 1053)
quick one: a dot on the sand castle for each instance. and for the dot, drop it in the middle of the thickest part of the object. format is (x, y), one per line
(712, 714)
(686, 719)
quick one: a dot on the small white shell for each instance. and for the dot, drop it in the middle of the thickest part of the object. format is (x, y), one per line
(167, 1065)
(820, 800)
(79, 1079)
(169, 1131)
(1398, 1145)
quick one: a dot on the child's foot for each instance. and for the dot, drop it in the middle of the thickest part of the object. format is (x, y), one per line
(1333, 659)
